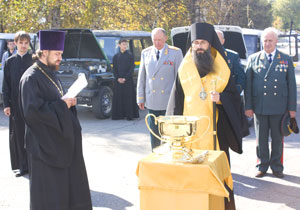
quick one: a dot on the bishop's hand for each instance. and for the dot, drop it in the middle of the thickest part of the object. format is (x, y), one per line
(215, 96)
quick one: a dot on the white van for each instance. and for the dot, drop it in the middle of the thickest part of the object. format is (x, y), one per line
(234, 39)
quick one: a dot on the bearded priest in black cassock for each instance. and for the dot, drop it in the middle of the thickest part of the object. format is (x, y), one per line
(57, 172)
(193, 94)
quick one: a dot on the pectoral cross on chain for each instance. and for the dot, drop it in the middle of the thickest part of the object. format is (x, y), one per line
(203, 94)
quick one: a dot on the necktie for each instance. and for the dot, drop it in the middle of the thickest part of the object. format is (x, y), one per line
(270, 58)
(157, 55)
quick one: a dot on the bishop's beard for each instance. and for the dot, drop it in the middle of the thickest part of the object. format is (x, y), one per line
(203, 61)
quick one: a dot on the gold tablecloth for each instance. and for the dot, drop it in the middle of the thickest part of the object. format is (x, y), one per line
(167, 185)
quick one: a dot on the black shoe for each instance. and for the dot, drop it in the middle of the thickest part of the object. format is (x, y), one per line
(278, 174)
(21, 173)
(128, 118)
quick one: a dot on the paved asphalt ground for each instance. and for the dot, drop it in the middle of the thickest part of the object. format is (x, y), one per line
(112, 150)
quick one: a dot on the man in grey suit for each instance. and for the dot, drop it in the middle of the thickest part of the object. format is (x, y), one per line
(157, 72)
(270, 92)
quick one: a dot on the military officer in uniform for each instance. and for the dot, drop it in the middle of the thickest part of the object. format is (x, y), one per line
(157, 72)
(270, 92)
(234, 63)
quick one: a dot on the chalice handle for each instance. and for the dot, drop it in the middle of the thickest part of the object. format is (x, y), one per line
(146, 121)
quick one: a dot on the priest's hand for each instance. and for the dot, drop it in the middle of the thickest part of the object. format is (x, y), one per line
(249, 113)
(7, 111)
(141, 106)
(215, 96)
(74, 102)
(70, 102)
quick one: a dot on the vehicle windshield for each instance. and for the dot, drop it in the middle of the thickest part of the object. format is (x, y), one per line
(251, 43)
(109, 45)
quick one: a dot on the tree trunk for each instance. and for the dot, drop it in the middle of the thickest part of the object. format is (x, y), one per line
(157, 13)
(196, 10)
(54, 15)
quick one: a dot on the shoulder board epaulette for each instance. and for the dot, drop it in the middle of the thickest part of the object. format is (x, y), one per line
(282, 54)
(173, 48)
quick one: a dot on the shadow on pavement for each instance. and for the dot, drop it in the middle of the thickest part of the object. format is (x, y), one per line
(292, 179)
(110, 201)
(268, 191)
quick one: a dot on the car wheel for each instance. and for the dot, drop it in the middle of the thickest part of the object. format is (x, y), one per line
(102, 103)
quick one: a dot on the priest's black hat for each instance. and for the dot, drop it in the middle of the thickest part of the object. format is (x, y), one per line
(51, 40)
(206, 32)
(288, 125)
(202, 31)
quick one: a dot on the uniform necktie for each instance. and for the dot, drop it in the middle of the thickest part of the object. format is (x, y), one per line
(270, 58)
(157, 55)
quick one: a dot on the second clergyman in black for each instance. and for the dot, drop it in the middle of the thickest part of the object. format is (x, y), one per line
(124, 105)
(14, 68)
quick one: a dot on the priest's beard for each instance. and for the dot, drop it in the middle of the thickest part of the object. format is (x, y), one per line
(52, 65)
(203, 61)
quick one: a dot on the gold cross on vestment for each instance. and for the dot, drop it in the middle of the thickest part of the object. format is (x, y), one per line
(190, 78)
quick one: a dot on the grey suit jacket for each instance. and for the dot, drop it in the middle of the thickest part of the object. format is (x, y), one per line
(156, 78)
(270, 88)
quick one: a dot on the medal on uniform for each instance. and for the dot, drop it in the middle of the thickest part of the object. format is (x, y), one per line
(203, 94)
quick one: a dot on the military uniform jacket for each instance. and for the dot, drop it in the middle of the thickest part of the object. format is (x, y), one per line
(270, 88)
(156, 78)
(238, 73)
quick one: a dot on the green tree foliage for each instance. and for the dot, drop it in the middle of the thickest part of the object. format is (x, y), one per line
(287, 11)
(250, 14)
(34, 15)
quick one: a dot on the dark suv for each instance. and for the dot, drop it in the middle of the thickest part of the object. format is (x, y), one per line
(91, 53)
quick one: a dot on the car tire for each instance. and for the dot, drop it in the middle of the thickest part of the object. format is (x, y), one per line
(102, 103)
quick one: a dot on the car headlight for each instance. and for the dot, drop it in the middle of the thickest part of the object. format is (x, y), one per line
(93, 68)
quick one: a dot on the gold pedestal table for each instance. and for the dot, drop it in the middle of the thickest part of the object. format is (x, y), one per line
(168, 185)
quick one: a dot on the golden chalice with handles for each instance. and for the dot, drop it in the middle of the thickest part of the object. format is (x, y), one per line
(178, 130)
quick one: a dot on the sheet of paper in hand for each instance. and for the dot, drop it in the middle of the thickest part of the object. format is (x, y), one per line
(76, 87)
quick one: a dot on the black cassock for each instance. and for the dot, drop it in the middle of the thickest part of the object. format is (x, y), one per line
(124, 98)
(57, 172)
(14, 68)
